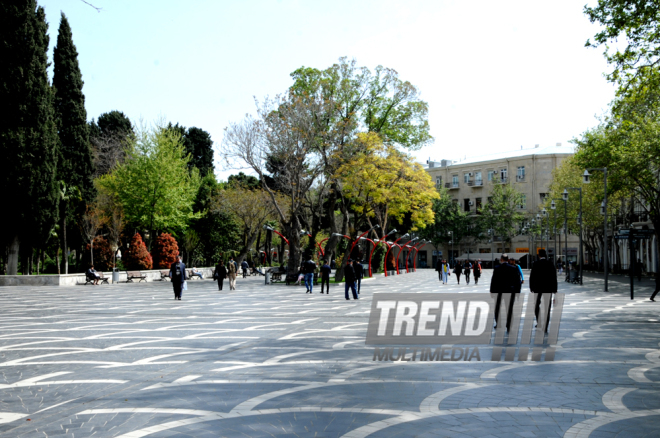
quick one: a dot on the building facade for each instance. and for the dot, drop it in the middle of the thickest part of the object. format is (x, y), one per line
(470, 183)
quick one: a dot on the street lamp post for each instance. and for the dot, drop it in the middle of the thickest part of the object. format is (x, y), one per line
(580, 222)
(585, 178)
(451, 241)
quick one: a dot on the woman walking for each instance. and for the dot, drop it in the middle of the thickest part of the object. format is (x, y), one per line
(467, 269)
(477, 271)
(444, 271)
(458, 270)
(231, 273)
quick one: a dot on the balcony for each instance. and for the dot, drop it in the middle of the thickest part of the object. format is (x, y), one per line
(451, 185)
(476, 183)
(503, 180)
(520, 178)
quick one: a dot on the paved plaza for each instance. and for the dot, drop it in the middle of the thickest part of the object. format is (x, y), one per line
(264, 361)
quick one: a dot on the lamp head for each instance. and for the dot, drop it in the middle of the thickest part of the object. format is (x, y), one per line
(391, 232)
(565, 195)
(585, 177)
(602, 208)
(553, 205)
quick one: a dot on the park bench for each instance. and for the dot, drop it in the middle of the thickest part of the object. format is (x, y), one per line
(89, 279)
(276, 273)
(135, 275)
(191, 276)
(164, 275)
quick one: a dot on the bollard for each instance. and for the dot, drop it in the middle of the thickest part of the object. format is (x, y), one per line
(267, 277)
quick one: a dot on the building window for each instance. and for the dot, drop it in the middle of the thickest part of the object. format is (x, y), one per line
(478, 204)
(523, 202)
(521, 172)
(454, 180)
(466, 204)
(438, 181)
(477, 178)
(503, 175)
(466, 178)
(491, 175)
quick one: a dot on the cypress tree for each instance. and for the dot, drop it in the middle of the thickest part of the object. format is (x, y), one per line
(76, 168)
(27, 131)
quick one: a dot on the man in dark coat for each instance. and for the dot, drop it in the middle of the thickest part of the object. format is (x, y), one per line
(438, 267)
(349, 277)
(506, 279)
(458, 270)
(543, 280)
(220, 274)
(325, 276)
(178, 276)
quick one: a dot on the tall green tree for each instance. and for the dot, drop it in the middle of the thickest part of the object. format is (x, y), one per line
(154, 185)
(28, 137)
(502, 213)
(450, 221)
(630, 32)
(76, 167)
(109, 138)
(198, 145)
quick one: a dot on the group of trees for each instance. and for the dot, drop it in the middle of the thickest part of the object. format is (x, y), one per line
(329, 156)
(81, 191)
(331, 153)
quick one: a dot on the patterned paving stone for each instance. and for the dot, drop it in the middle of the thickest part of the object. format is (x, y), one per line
(128, 361)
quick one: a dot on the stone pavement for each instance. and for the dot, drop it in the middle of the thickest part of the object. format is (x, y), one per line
(262, 361)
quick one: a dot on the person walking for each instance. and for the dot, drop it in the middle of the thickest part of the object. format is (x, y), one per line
(308, 269)
(477, 271)
(543, 280)
(220, 274)
(325, 276)
(458, 270)
(444, 271)
(516, 265)
(178, 277)
(506, 279)
(359, 274)
(231, 274)
(467, 269)
(349, 277)
(438, 269)
(245, 268)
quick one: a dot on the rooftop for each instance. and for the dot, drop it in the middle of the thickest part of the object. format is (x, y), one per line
(547, 150)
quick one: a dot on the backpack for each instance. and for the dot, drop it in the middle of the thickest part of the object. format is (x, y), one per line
(232, 268)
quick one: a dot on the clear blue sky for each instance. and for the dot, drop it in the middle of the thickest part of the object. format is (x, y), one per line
(497, 74)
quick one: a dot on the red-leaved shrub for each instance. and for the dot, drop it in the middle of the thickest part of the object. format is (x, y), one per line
(164, 251)
(138, 257)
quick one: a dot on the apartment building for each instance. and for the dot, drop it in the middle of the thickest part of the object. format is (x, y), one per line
(470, 182)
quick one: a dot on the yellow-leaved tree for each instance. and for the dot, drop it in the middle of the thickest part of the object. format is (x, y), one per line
(381, 183)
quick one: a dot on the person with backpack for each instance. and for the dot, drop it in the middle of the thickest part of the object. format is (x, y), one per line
(505, 280)
(308, 269)
(476, 269)
(178, 277)
(458, 270)
(231, 274)
(467, 269)
(325, 276)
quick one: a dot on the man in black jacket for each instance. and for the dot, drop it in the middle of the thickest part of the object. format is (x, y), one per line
(349, 277)
(220, 274)
(506, 279)
(543, 280)
(178, 276)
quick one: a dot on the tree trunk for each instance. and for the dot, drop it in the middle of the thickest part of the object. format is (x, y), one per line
(293, 235)
(258, 246)
(250, 241)
(91, 252)
(57, 261)
(65, 256)
(12, 259)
